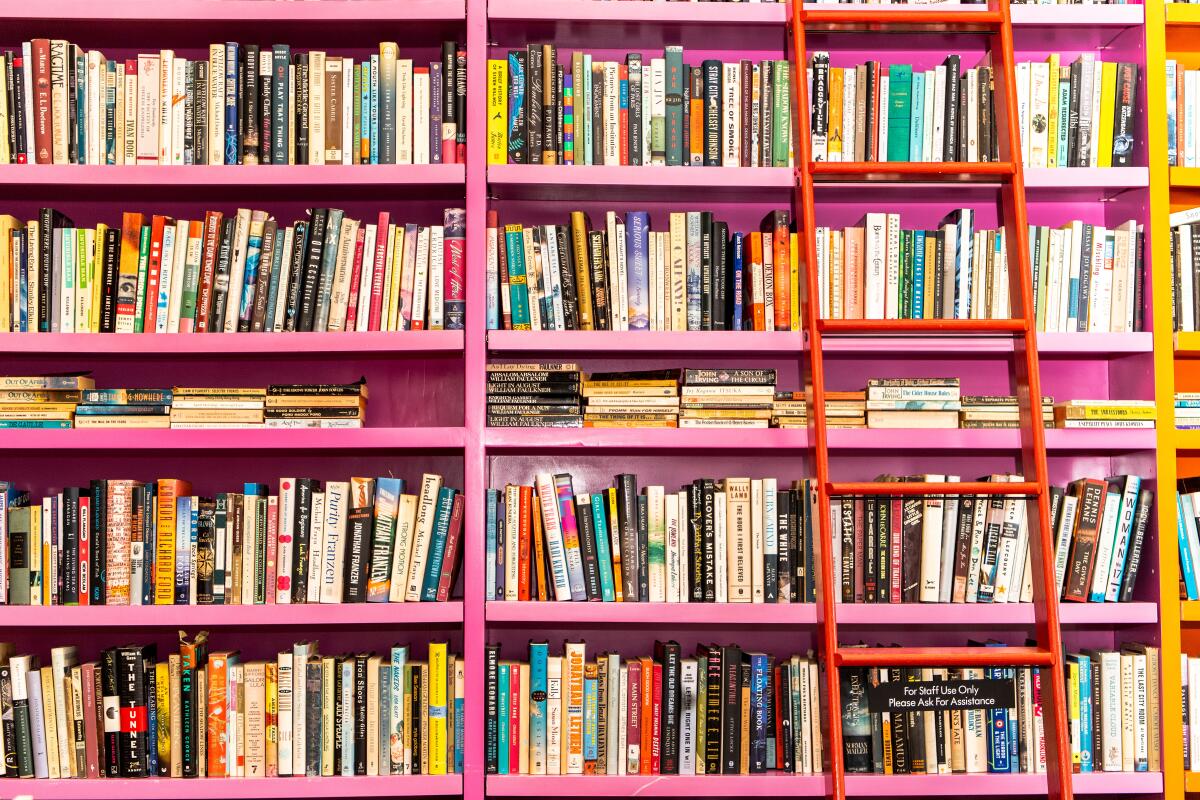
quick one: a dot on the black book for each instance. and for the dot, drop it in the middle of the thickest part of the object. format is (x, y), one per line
(317, 223)
(950, 151)
(984, 78)
(518, 61)
(10, 73)
(206, 550)
(587, 548)
(533, 104)
(360, 715)
(108, 279)
(415, 711)
(97, 541)
(643, 545)
(597, 264)
(449, 90)
(783, 559)
(788, 742)
(559, 109)
(633, 62)
(8, 725)
(72, 107)
(1124, 137)
(192, 705)
(731, 709)
(667, 654)
(627, 512)
(221, 278)
(313, 679)
(460, 99)
(301, 528)
(1139, 285)
(295, 276)
(847, 537)
(869, 124)
(803, 585)
(200, 113)
(721, 292)
(302, 109)
(241, 106)
(21, 137)
(710, 660)
(597, 79)
(1073, 154)
(711, 71)
(1137, 542)
(870, 565)
(1085, 276)
(911, 517)
(112, 725)
(695, 523)
(71, 544)
(491, 732)
(132, 739)
(916, 729)
(358, 543)
(709, 520)
(1194, 237)
(566, 276)
(189, 113)
(767, 104)
(901, 755)
(706, 271)
(48, 220)
(266, 120)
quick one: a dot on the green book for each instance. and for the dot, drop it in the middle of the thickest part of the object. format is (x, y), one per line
(674, 105)
(899, 111)
(139, 311)
(518, 287)
(781, 114)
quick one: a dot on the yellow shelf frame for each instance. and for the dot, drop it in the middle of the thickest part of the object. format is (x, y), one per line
(1162, 178)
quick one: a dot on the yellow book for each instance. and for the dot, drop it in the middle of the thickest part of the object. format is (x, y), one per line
(794, 267)
(50, 721)
(1104, 125)
(497, 125)
(1073, 705)
(39, 552)
(7, 225)
(835, 114)
(930, 290)
(392, 233)
(437, 708)
(399, 266)
(162, 697)
(5, 114)
(97, 278)
(1052, 120)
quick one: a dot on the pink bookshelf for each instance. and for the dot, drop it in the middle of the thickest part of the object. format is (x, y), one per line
(239, 788)
(233, 344)
(236, 439)
(657, 786)
(264, 616)
(306, 176)
(574, 11)
(232, 11)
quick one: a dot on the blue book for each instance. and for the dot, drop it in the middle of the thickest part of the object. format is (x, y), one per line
(603, 554)
(437, 545)
(637, 245)
(918, 273)
(276, 267)
(183, 548)
(24, 282)
(149, 546)
(917, 129)
(1014, 742)
(375, 109)
(538, 655)
(518, 288)
(254, 244)
(759, 677)
(498, 578)
(1087, 713)
(460, 733)
(739, 254)
(591, 713)
(493, 501)
(998, 753)
(232, 149)
(504, 716)
(1183, 514)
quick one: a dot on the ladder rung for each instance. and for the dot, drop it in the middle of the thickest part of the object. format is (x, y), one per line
(909, 489)
(927, 326)
(875, 18)
(913, 170)
(943, 656)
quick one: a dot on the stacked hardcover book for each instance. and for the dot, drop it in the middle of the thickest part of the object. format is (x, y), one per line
(913, 403)
(728, 398)
(1187, 410)
(140, 408)
(244, 104)
(1105, 414)
(41, 401)
(975, 549)
(736, 540)
(534, 395)
(647, 399)
(1112, 696)
(638, 111)
(1081, 115)
(127, 542)
(234, 272)
(789, 410)
(875, 112)
(724, 711)
(998, 411)
(693, 276)
(304, 405)
(206, 713)
(216, 407)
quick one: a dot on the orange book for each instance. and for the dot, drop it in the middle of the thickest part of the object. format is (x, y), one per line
(852, 285)
(127, 275)
(154, 270)
(217, 675)
(696, 122)
(523, 534)
(656, 721)
(757, 309)
(539, 554)
(647, 714)
(169, 490)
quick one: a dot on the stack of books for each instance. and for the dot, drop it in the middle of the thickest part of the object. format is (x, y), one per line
(217, 407)
(1088, 278)
(1114, 706)
(243, 104)
(723, 711)
(727, 398)
(789, 410)
(1081, 115)
(998, 411)
(316, 405)
(207, 713)
(534, 395)
(1187, 410)
(125, 408)
(1105, 414)
(732, 540)
(646, 399)
(846, 409)
(913, 403)
(41, 401)
(354, 541)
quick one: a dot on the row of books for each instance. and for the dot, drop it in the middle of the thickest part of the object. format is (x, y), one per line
(244, 104)
(724, 711)
(876, 112)
(232, 272)
(854, 410)
(622, 276)
(194, 407)
(1183, 93)
(206, 713)
(1185, 267)
(128, 542)
(638, 111)
(975, 548)
(1187, 410)
(1089, 277)
(1113, 701)
(732, 540)
(1190, 673)
(1187, 523)
(1082, 115)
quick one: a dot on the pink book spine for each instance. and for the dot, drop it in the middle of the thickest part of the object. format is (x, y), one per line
(408, 274)
(85, 556)
(656, 723)
(514, 718)
(454, 261)
(355, 277)
(895, 552)
(446, 579)
(116, 587)
(860, 591)
(381, 240)
(634, 722)
(90, 733)
(272, 544)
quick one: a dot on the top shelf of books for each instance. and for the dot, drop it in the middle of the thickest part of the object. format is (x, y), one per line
(240, 11)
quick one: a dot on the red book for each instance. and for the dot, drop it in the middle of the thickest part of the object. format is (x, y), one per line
(895, 550)
(208, 266)
(272, 546)
(91, 732)
(514, 717)
(502, 259)
(647, 712)
(656, 727)
(523, 534)
(875, 101)
(43, 117)
(634, 721)
(778, 714)
(85, 547)
(449, 568)
(18, 68)
(381, 240)
(623, 78)
(758, 312)
(154, 270)
(783, 271)
(355, 277)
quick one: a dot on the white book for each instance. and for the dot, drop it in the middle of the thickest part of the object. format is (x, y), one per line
(1185, 275)
(316, 106)
(406, 523)
(421, 279)
(1039, 113)
(1097, 84)
(283, 706)
(884, 89)
(1128, 505)
(216, 106)
(688, 716)
(939, 117)
(148, 113)
(758, 544)
(279, 314)
(423, 534)
(96, 88)
(720, 545)
(771, 531)
(848, 99)
(554, 715)
(966, 227)
(815, 741)
(613, 745)
(437, 279)
(976, 730)
(237, 272)
(362, 314)
(892, 298)
(804, 763)
(1008, 555)
(1062, 540)
(949, 537)
(674, 565)
(612, 128)
(1191, 681)
(875, 225)
(172, 294)
(731, 114)
(178, 101)
(1141, 719)
(316, 546)
(1109, 522)
(1023, 106)
(404, 110)
(493, 279)
(1096, 296)
(284, 552)
(647, 103)
(658, 107)
(349, 99)
(656, 523)
(551, 270)
(973, 114)
(931, 543)
(1110, 709)
(611, 243)
(823, 271)
(548, 499)
(420, 105)
(622, 718)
